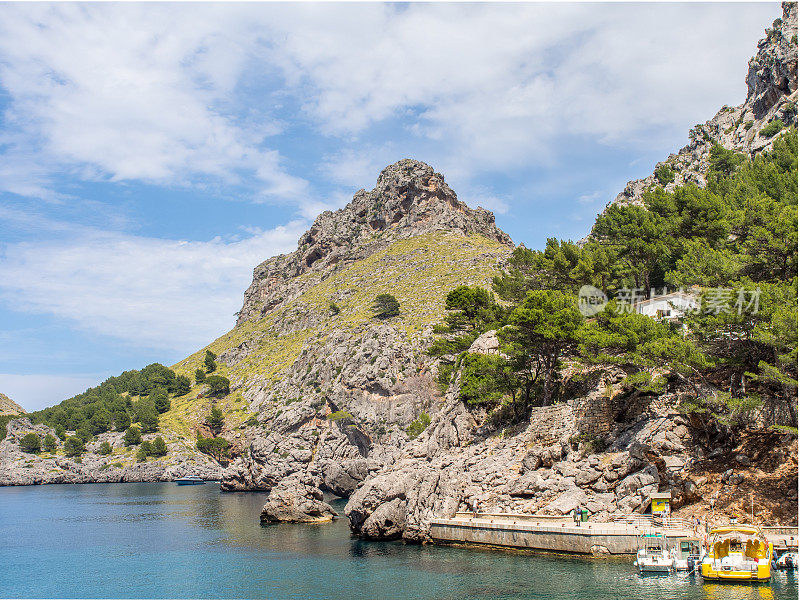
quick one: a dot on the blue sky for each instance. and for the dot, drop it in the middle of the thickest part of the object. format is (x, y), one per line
(151, 155)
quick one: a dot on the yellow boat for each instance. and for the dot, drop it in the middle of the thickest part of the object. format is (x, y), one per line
(737, 553)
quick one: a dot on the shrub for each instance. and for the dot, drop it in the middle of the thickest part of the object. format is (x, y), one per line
(748, 125)
(218, 385)
(143, 452)
(664, 174)
(74, 446)
(339, 415)
(199, 376)
(30, 443)
(105, 449)
(385, 306)
(122, 420)
(50, 444)
(147, 415)
(209, 361)
(771, 128)
(335, 310)
(61, 432)
(418, 425)
(159, 447)
(133, 436)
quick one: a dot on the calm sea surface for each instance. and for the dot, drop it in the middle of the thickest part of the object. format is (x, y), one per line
(162, 540)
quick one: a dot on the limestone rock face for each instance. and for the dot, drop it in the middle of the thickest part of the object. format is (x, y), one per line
(771, 94)
(20, 468)
(409, 199)
(296, 499)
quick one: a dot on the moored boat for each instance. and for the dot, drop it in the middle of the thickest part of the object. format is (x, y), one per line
(653, 556)
(737, 553)
(686, 553)
(190, 480)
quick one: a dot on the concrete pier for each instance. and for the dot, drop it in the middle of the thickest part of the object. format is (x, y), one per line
(550, 534)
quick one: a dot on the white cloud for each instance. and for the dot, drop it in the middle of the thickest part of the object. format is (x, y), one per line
(34, 392)
(131, 92)
(155, 92)
(149, 292)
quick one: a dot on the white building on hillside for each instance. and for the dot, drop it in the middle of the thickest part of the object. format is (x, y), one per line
(670, 306)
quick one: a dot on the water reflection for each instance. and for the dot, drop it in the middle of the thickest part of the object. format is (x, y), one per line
(163, 540)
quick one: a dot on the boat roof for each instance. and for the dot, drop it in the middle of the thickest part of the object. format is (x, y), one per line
(749, 529)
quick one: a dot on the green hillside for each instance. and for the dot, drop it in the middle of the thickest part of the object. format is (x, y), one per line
(418, 271)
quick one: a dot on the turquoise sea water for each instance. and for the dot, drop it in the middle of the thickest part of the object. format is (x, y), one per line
(162, 540)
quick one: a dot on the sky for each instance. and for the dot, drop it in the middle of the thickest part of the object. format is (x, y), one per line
(151, 155)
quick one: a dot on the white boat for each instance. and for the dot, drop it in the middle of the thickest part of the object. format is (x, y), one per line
(653, 556)
(686, 553)
(190, 480)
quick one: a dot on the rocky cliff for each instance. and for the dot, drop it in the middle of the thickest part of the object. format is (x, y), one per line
(771, 94)
(9, 408)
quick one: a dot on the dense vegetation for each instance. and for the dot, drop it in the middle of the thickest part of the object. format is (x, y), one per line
(733, 244)
(132, 397)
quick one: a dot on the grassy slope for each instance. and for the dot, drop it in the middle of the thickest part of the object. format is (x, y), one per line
(418, 271)
(9, 407)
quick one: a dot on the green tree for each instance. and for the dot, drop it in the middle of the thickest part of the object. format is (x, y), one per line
(146, 414)
(214, 447)
(159, 447)
(664, 174)
(160, 398)
(486, 379)
(216, 419)
(105, 449)
(541, 331)
(199, 376)
(30, 443)
(182, 385)
(385, 306)
(121, 420)
(218, 385)
(133, 436)
(74, 446)
(50, 444)
(209, 361)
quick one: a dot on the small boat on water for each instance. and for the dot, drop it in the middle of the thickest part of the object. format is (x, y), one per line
(190, 480)
(788, 560)
(737, 553)
(686, 553)
(653, 555)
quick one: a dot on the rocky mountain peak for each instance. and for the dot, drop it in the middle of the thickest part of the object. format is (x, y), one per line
(9, 407)
(771, 94)
(409, 199)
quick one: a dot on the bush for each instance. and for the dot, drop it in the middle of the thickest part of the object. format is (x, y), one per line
(418, 425)
(122, 420)
(664, 174)
(30, 443)
(771, 128)
(218, 385)
(147, 415)
(339, 415)
(216, 419)
(143, 452)
(335, 310)
(133, 436)
(50, 444)
(105, 449)
(199, 376)
(159, 447)
(385, 306)
(74, 446)
(209, 361)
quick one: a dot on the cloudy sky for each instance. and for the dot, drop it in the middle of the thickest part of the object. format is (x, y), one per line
(151, 155)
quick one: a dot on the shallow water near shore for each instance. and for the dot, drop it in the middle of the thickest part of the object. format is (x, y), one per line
(147, 540)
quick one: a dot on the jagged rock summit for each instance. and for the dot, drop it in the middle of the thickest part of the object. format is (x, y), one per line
(771, 94)
(409, 199)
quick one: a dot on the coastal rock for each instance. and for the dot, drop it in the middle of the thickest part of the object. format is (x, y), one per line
(296, 500)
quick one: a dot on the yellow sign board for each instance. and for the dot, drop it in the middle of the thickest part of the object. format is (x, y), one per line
(659, 505)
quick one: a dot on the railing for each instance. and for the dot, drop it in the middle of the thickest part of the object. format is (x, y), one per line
(515, 516)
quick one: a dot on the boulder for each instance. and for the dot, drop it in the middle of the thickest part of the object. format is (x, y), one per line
(296, 500)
